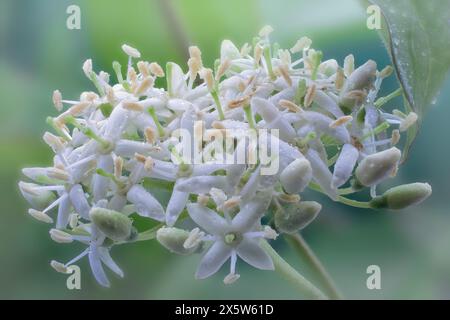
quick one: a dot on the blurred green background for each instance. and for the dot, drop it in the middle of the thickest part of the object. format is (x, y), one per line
(39, 54)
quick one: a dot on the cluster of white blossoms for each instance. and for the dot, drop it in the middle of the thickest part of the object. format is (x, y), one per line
(114, 145)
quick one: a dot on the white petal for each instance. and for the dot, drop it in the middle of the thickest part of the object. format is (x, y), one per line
(108, 261)
(63, 212)
(128, 148)
(201, 184)
(214, 258)
(344, 165)
(79, 201)
(250, 251)
(96, 267)
(321, 173)
(252, 211)
(100, 184)
(175, 206)
(327, 103)
(207, 219)
(145, 204)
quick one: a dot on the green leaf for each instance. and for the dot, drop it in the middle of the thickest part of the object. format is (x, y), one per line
(417, 34)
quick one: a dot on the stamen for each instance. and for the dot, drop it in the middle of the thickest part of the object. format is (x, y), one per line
(291, 106)
(410, 120)
(310, 95)
(194, 238)
(386, 72)
(231, 203)
(340, 78)
(156, 70)
(60, 236)
(269, 233)
(231, 278)
(40, 216)
(224, 66)
(207, 76)
(118, 167)
(58, 266)
(57, 100)
(203, 199)
(340, 121)
(132, 106)
(285, 74)
(143, 67)
(303, 43)
(395, 138)
(149, 135)
(349, 65)
(87, 68)
(54, 142)
(146, 84)
(130, 51)
(258, 52)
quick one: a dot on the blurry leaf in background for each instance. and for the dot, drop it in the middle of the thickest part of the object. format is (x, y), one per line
(417, 37)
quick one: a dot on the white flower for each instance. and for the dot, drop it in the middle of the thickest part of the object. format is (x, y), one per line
(232, 238)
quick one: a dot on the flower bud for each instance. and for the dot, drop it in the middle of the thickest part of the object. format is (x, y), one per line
(173, 239)
(113, 224)
(376, 167)
(38, 199)
(402, 196)
(360, 79)
(296, 176)
(296, 216)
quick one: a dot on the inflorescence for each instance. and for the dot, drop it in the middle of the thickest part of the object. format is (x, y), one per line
(114, 145)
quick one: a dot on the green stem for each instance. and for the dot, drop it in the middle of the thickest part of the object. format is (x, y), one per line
(305, 251)
(349, 202)
(289, 273)
(354, 203)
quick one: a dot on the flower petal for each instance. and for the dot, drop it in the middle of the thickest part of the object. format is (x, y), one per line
(105, 257)
(176, 204)
(250, 251)
(321, 173)
(214, 258)
(252, 211)
(79, 201)
(63, 212)
(201, 184)
(344, 165)
(100, 184)
(208, 219)
(145, 204)
(96, 267)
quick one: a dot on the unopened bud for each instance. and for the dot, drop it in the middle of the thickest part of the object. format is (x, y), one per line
(113, 224)
(294, 217)
(377, 167)
(296, 176)
(360, 79)
(402, 196)
(173, 239)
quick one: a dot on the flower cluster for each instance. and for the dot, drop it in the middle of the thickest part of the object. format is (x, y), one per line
(112, 146)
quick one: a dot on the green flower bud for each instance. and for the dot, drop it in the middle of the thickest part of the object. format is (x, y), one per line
(360, 80)
(403, 196)
(38, 199)
(173, 239)
(296, 216)
(113, 224)
(377, 167)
